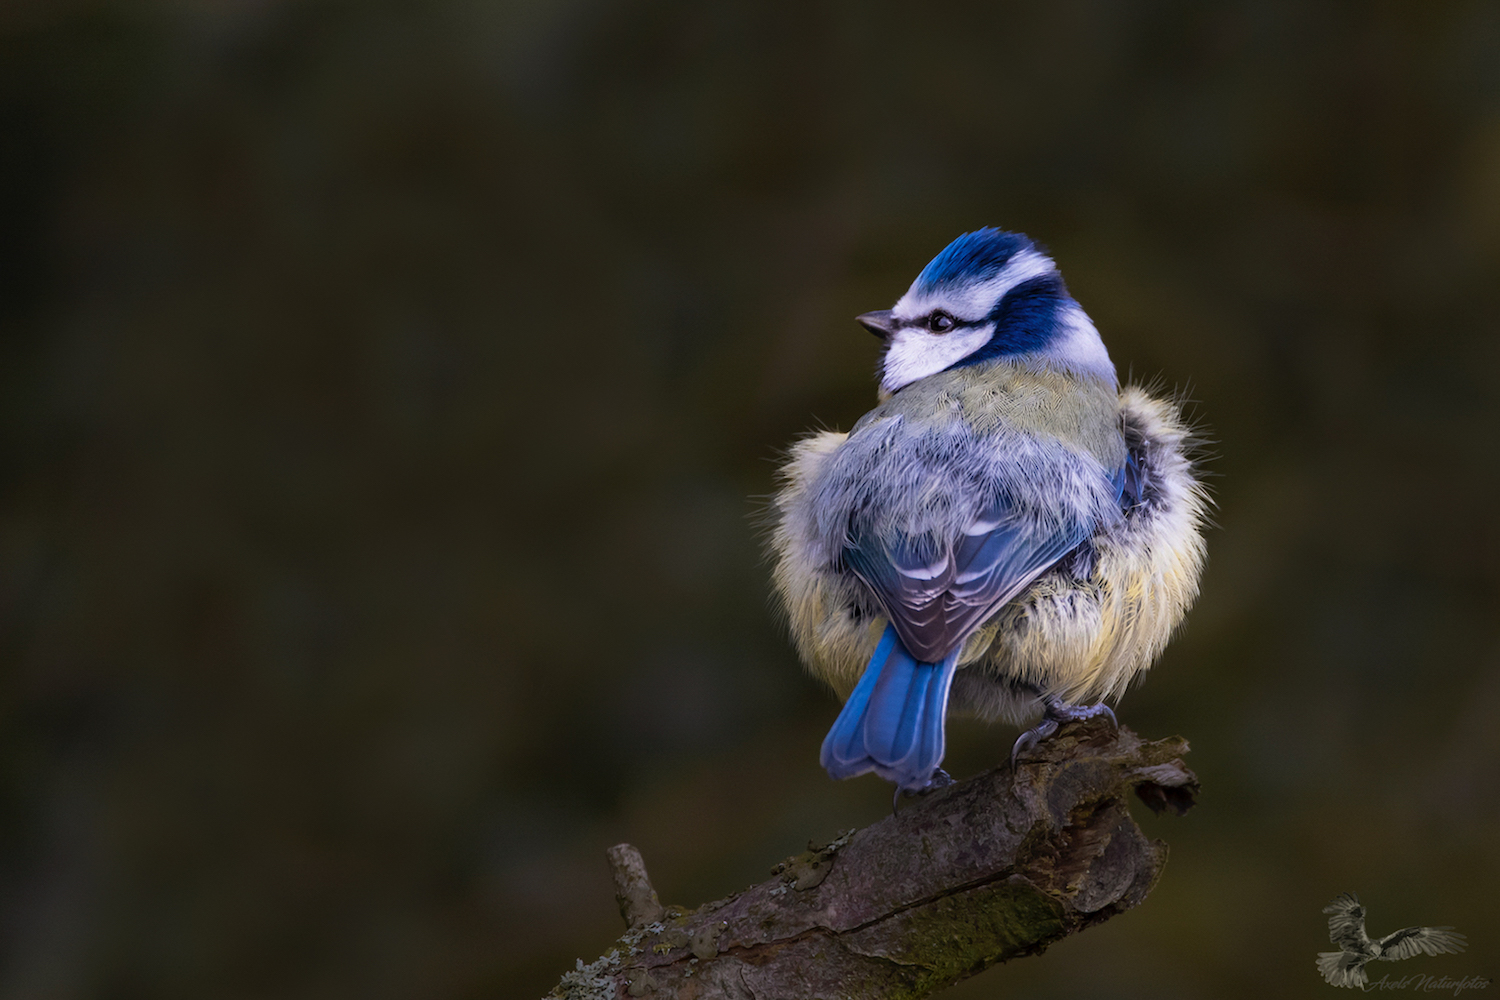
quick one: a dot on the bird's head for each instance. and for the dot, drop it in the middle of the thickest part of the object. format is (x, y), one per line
(989, 295)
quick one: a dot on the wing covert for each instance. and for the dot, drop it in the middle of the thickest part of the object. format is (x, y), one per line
(936, 592)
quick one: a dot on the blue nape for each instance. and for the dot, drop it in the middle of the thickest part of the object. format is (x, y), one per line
(893, 722)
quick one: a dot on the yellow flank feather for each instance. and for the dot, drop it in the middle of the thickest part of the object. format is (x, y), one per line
(819, 605)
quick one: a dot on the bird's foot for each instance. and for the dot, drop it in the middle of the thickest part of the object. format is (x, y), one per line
(1032, 737)
(939, 779)
(1055, 712)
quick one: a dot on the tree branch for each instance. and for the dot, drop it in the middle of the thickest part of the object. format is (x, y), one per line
(633, 892)
(989, 869)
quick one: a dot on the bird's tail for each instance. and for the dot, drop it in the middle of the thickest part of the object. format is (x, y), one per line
(893, 722)
(1342, 968)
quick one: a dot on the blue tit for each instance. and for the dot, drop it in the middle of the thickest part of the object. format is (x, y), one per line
(1008, 530)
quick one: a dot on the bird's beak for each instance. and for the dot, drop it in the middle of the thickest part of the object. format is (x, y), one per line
(879, 323)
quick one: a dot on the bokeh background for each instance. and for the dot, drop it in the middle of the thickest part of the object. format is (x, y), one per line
(388, 392)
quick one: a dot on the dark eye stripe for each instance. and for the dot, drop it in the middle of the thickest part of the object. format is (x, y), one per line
(920, 323)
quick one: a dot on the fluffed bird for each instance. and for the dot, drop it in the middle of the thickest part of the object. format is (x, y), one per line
(1346, 928)
(1007, 530)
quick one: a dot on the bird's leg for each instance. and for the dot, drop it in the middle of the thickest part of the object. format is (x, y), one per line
(939, 779)
(1055, 712)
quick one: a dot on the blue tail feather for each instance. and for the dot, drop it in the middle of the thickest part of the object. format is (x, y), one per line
(893, 722)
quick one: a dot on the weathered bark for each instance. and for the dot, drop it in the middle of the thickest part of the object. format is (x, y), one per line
(633, 893)
(986, 870)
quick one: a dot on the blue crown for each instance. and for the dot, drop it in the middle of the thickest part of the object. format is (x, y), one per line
(975, 256)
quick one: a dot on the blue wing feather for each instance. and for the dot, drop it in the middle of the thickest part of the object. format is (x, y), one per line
(936, 593)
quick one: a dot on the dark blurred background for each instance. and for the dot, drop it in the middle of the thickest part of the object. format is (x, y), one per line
(388, 392)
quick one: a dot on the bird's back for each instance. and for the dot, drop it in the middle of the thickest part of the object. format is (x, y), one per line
(934, 457)
(928, 463)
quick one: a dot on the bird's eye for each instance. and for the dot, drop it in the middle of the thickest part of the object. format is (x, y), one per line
(940, 322)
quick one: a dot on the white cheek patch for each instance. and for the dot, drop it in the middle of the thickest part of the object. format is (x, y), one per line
(915, 353)
(974, 302)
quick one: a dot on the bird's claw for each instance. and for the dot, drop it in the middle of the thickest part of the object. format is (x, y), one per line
(1077, 713)
(1055, 712)
(1032, 737)
(939, 779)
